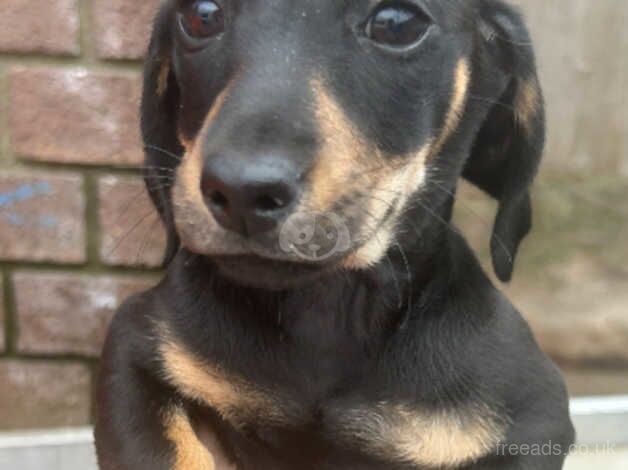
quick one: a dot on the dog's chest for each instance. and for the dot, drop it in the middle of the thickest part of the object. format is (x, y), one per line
(389, 431)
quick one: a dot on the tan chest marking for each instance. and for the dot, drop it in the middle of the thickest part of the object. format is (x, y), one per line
(190, 453)
(233, 398)
(432, 439)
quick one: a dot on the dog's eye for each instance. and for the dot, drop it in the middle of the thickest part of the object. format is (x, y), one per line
(202, 19)
(397, 25)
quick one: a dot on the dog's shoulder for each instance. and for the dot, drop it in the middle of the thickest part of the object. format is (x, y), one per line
(132, 338)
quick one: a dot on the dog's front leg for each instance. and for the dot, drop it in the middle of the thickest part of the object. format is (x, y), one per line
(141, 422)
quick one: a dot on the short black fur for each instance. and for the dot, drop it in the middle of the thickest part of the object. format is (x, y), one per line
(424, 327)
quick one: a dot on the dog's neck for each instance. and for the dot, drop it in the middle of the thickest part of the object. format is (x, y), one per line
(356, 306)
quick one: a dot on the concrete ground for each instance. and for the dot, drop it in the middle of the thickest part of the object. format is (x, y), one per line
(617, 460)
(73, 450)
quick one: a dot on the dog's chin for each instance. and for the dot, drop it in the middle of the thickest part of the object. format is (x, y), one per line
(265, 273)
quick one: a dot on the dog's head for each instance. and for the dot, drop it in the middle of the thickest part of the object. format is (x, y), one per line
(301, 133)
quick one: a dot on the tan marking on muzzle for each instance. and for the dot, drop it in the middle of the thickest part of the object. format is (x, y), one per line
(190, 452)
(402, 182)
(462, 79)
(343, 153)
(527, 103)
(232, 397)
(191, 214)
(191, 167)
(347, 162)
(373, 251)
(434, 439)
(393, 191)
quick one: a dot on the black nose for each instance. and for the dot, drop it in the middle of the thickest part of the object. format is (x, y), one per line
(249, 196)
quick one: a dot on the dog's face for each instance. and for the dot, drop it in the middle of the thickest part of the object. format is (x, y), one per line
(308, 130)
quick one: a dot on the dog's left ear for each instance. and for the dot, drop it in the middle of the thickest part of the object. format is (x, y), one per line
(159, 108)
(508, 149)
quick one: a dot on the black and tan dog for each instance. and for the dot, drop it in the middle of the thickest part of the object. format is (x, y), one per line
(318, 311)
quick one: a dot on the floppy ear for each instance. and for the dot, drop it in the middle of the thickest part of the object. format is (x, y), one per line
(508, 149)
(160, 101)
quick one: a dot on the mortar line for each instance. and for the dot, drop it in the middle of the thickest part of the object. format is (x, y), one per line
(11, 323)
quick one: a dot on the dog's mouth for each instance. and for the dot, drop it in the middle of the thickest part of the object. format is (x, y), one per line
(296, 264)
(304, 247)
(267, 273)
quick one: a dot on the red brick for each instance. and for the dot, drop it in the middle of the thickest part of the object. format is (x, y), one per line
(41, 394)
(131, 230)
(42, 217)
(61, 313)
(75, 116)
(123, 27)
(46, 26)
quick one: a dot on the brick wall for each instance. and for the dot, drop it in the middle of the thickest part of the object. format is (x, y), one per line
(71, 246)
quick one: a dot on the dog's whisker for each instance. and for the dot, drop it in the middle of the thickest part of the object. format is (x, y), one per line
(121, 212)
(375, 169)
(431, 211)
(392, 267)
(161, 185)
(147, 239)
(393, 192)
(163, 151)
(391, 264)
(492, 102)
(437, 216)
(135, 198)
(128, 233)
(441, 187)
(410, 283)
(374, 232)
(158, 168)
(482, 220)
(160, 178)
(159, 175)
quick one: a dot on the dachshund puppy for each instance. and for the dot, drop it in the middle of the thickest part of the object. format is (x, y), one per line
(318, 311)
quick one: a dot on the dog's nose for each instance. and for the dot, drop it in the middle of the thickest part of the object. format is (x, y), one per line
(249, 196)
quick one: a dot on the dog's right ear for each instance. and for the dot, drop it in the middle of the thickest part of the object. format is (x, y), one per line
(508, 149)
(159, 108)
